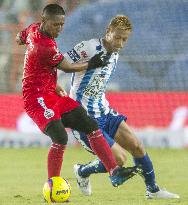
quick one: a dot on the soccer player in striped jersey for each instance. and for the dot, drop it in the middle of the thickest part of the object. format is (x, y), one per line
(88, 88)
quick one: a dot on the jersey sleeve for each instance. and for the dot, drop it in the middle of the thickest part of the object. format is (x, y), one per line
(81, 52)
(24, 33)
(53, 56)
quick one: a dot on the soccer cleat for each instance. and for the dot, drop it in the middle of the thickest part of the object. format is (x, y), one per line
(161, 194)
(122, 174)
(83, 183)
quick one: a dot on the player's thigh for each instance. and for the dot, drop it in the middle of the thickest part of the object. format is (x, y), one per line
(110, 123)
(78, 119)
(41, 110)
(66, 104)
(126, 138)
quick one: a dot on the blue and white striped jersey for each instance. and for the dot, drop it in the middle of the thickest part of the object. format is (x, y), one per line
(88, 87)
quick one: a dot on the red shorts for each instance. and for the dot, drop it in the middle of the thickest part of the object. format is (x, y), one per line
(44, 108)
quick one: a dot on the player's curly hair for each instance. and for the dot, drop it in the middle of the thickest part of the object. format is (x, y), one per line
(121, 22)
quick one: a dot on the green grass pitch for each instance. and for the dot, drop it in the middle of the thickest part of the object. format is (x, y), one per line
(23, 173)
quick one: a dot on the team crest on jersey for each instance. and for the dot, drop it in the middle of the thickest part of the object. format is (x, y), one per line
(48, 113)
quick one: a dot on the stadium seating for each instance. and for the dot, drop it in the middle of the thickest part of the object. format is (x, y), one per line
(157, 49)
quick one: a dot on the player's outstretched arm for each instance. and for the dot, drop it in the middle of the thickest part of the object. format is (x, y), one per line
(70, 68)
(95, 62)
(18, 40)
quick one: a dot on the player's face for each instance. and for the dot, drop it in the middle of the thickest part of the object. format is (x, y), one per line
(54, 25)
(116, 39)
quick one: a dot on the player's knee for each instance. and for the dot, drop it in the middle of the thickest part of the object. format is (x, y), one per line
(56, 131)
(138, 149)
(86, 123)
(91, 126)
(61, 139)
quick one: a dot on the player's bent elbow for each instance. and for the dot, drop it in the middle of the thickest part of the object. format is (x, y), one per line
(18, 40)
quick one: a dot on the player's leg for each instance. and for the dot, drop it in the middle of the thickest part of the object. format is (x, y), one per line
(96, 165)
(83, 171)
(109, 124)
(119, 154)
(126, 138)
(56, 131)
(79, 120)
(44, 111)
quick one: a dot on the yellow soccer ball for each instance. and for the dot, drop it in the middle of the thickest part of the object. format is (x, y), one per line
(56, 190)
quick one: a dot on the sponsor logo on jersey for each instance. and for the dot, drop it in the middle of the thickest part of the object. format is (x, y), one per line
(96, 87)
(73, 55)
(84, 54)
(79, 46)
(48, 113)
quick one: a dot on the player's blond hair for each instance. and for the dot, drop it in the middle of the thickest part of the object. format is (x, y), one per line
(120, 22)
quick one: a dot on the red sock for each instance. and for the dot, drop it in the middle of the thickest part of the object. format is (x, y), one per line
(55, 158)
(102, 149)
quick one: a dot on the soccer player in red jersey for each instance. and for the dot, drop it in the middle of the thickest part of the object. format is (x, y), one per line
(51, 112)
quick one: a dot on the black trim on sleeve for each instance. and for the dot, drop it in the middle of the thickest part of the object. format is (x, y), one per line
(59, 64)
(21, 39)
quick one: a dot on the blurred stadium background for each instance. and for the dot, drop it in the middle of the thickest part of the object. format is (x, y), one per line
(150, 85)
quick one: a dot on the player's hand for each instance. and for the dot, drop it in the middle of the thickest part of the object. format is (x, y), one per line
(60, 91)
(98, 61)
